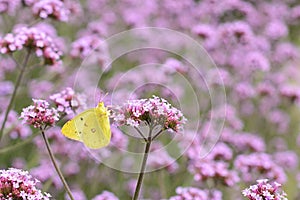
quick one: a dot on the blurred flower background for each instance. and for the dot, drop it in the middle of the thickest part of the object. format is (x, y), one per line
(254, 44)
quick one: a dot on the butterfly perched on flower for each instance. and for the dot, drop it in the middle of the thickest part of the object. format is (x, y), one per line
(91, 127)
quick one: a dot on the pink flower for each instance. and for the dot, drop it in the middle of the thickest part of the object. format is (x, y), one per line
(9, 7)
(39, 114)
(155, 111)
(34, 39)
(264, 190)
(188, 193)
(67, 101)
(204, 169)
(91, 46)
(19, 184)
(257, 165)
(105, 195)
(55, 9)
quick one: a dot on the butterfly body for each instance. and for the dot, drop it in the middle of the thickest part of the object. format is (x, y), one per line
(90, 127)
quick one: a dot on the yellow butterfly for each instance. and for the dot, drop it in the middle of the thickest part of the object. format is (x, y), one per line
(90, 127)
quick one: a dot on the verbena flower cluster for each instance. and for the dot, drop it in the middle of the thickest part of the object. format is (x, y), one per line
(259, 163)
(33, 39)
(39, 115)
(83, 46)
(154, 111)
(265, 190)
(192, 193)
(19, 184)
(51, 8)
(17, 129)
(254, 45)
(105, 195)
(67, 101)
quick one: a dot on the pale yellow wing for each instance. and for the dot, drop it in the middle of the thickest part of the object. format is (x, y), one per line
(73, 128)
(96, 130)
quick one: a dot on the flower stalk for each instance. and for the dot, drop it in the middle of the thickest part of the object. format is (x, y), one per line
(154, 112)
(56, 166)
(18, 82)
(143, 167)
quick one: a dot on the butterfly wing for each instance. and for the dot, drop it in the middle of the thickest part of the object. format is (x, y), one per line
(96, 130)
(73, 128)
(90, 127)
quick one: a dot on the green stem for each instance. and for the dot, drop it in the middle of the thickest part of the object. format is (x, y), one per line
(141, 134)
(142, 171)
(157, 134)
(19, 144)
(14, 92)
(56, 166)
(144, 162)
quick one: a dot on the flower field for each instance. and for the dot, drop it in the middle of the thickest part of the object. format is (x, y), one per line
(160, 99)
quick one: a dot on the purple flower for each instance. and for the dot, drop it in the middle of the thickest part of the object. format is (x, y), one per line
(189, 193)
(264, 190)
(67, 101)
(9, 43)
(290, 92)
(55, 9)
(207, 33)
(244, 90)
(172, 66)
(19, 184)
(77, 194)
(220, 152)
(105, 195)
(287, 159)
(155, 111)
(286, 52)
(45, 172)
(16, 129)
(159, 158)
(257, 165)
(257, 61)
(84, 46)
(92, 47)
(39, 115)
(237, 32)
(244, 141)
(37, 88)
(118, 139)
(280, 119)
(10, 7)
(276, 29)
(295, 14)
(204, 169)
(34, 39)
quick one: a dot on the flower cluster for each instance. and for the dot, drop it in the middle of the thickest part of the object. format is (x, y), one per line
(84, 45)
(33, 39)
(19, 184)
(155, 111)
(51, 8)
(17, 130)
(190, 193)
(105, 195)
(264, 190)
(257, 164)
(90, 45)
(208, 169)
(244, 141)
(7, 6)
(67, 101)
(39, 114)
